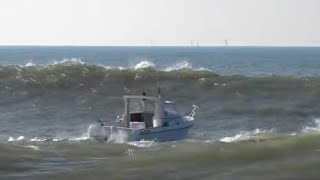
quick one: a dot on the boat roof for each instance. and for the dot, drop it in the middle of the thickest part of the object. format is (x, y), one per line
(151, 98)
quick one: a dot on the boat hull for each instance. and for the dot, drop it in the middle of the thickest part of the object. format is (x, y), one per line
(163, 134)
(115, 133)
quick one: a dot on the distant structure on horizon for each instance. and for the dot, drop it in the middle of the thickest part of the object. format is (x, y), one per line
(226, 43)
(194, 44)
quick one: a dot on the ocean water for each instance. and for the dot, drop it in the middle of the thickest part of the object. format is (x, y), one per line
(258, 114)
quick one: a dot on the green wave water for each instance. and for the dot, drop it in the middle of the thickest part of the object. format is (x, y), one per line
(264, 157)
(246, 127)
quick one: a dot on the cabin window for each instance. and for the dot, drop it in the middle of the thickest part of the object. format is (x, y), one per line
(170, 110)
(142, 117)
(142, 110)
(138, 105)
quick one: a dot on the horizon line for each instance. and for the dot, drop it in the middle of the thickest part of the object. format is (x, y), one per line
(186, 46)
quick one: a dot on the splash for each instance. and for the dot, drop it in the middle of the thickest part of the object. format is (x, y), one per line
(144, 64)
(178, 66)
(69, 61)
(20, 138)
(39, 139)
(141, 144)
(36, 139)
(30, 64)
(247, 135)
(33, 147)
(315, 128)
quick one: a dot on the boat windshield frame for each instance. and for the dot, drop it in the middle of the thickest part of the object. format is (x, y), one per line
(140, 105)
(170, 109)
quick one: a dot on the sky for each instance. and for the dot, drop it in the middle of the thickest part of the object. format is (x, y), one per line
(160, 22)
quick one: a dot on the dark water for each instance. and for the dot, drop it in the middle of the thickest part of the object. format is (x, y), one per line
(250, 61)
(258, 116)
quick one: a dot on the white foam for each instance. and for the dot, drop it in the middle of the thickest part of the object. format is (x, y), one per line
(106, 67)
(20, 138)
(200, 141)
(141, 144)
(178, 66)
(36, 139)
(67, 60)
(244, 135)
(36, 148)
(313, 129)
(144, 64)
(119, 137)
(184, 65)
(121, 68)
(203, 69)
(30, 64)
(82, 138)
(140, 65)
(237, 137)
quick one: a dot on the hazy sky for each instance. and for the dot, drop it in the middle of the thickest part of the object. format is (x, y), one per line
(160, 22)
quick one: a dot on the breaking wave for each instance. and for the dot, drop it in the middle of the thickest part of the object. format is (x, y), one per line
(76, 73)
(42, 95)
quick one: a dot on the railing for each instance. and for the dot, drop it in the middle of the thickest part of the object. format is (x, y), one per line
(193, 112)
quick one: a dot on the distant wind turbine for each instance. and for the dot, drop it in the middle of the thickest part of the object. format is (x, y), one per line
(226, 43)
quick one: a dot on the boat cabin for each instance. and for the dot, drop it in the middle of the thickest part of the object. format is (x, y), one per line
(143, 112)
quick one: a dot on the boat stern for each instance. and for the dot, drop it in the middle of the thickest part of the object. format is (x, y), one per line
(111, 133)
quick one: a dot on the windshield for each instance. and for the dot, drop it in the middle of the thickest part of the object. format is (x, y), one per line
(139, 105)
(170, 109)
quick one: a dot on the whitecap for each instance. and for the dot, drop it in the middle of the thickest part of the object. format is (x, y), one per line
(245, 135)
(36, 139)
(20, 138)
(315, 128)
(203, 69)
(178, 66)
(36, 148)
(82, 138)
(237, 137)
(73, 60)
(141, 144)
(144, 64)
(121, 68)
(30, 64)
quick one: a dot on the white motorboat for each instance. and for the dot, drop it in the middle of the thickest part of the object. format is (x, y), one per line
(145, 118)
